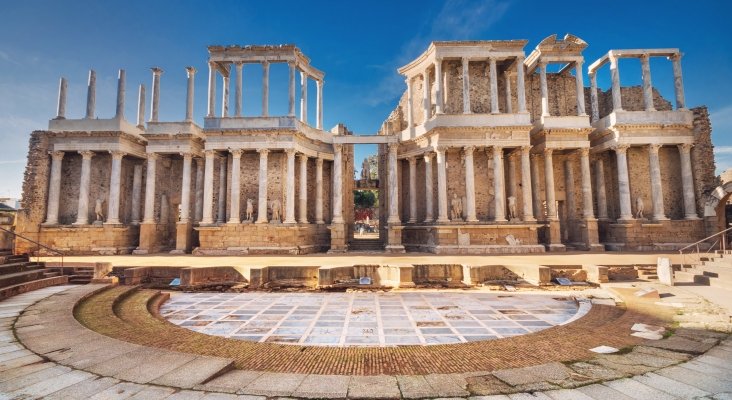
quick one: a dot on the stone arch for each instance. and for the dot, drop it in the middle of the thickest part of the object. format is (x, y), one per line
(714, 205)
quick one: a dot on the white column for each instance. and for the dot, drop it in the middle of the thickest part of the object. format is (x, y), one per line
(678, 82)
(319, 191)
(198, 214)
(521, 86)
(91, 94)
(337, 190)
(569, 190)
(149, 216)
(441, 185)
(393, 185)
(319, 110)
(470, 184)
(647, 85)
(303, 184)
(593, 97)
(235, 189)
(511, 174)
(536, 187)
(412, 189)
(82, 215)
(291, 90)
(439, 90)
(221, 215)
(466, 86)
(429, 192)
(526, 184)
(507, 80)
(114, 188)
(494, 85)
(290, 188)
(303, 97)
(410, 108)
(587, 211)
(426, 103)
(626, 212)
(544, 90)
(601, 193)
(262, 201)
(238, 89)
(121, 81)
(265, 88)
(191, 73)
(498, 185)
(185, 191)
(141, 107)
(136, 194)
(615, 77)
(208, 181)
(580, 88)
(211, 90)
(551, 202)
(225, 96)
(687, 182)
(61, 109)
(155, 103)
(656, 185)
(54, 188)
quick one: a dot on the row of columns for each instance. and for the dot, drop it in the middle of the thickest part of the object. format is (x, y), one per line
(579, 88)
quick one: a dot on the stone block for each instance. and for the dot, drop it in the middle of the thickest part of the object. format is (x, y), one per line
(596, 273)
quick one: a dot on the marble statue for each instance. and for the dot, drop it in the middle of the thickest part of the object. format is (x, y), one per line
(456, 208)
(98, 211)
(639, 207)
(276, 210)
(511, 207)
(250, 210)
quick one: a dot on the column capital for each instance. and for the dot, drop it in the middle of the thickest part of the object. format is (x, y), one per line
(210, 153)
(525, 150)
(469, 150)
(292, 64)
(302, 156)
(393, 147)
(116, 154)
(542, 64)
(57, 155)
(547, 151)
(236, 153)
(152, 156)
(290, 152)
(263, 152)
(497, 150)
(584, 152)
(591, 74)
(520, 59)
(265, 63)
(465, 59)
(535, 156)
(621, 148)
(613, 61)
(579, 63)
(187, 155)
(86, 154)
(157, 71)
(675, 57)
(645, 57)
(408, 81)
(412, 160)
(685, 147)
(441, 149)
(428, 157)
(653, 148)
(337, 147)
(191, 71)
(318, 162)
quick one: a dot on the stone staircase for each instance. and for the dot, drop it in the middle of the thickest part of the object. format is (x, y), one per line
(646, 272)
(366, 245)
(714, 270)
(18, 274)
(78, 273)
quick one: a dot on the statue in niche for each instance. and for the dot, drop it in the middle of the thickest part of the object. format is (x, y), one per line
(250, 210)
(511, 208)
(639, 207)
(456, 208)
(365, 169)
(98, 210)
(276, 206)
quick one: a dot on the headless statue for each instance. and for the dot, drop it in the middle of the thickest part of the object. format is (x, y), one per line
(276, 209)
(457, 208)
(98, 210)
(250, 209)
(511, 207)
(639, 207)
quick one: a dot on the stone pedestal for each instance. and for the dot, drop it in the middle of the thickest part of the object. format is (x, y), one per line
(338, 242)
(394, 240)
(590, 236)
(183, 237)
(148, 239)
(554, 237)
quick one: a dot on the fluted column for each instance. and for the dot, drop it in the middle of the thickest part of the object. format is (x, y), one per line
(291, 90)
(91, 95)
(587, 211)
(82, 214)
(439, 90)
(441, 185)
(593, 97)
(466, 86)
(410, 108)
(235, 189)
(208, 181)
(319, 191)
(185, 192)
(61, 109)
(238, 89)
(426, 103)
(319, 104)
(337, 184)
(626, 212)
(198, 214)
(290, 188)
(265, 88)
(303, 184)
(579, 82)
(225, 96)
(470, 184)
(191, 73)
(678, 82)
(498, 185)
(526, 184)
(211, 90)
(615, 77)
(412, 189)
(687, 182)
(54, 188)
(303, 97)
(141, 107)
(136, 194)
(507, 81)
(262, 201)
(521, 86)
(551, 202)
(656, 185)
(114, 188)
(155, 103)
(494, 85)
(544, 90)
(149, 215)
(121, 83)
(601, 193)
(393, 186)
(647, 85)
(536, 187)
(429, 192)
(221, 214)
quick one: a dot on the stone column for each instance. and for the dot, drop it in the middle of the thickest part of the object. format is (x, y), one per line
(580, 88)
(225, 96)
(626, 212)
(410, 111)
(319, 191)
(191, 73)
(62, 88)
(656, 186)
(429, 192)
(82, 214)
(593, 98)
(303, 200)
(438, 89)
(526, 184)
(211, 90)
(149, 216)
(393, 186)
(494, 86)
(54, 188)
(507, 80)
(498, 185)
(678, 82)
(511, 174)
(551, 202)
(91, 94)
(208, 181)
(291, 90)
(470, 184)
(221, 214)
(687, 182)
(114, 188)
(569, 190)
(544, 90)
(155, 103)
(601, 193)
(136, 194)
(521, 86)
(235, 189)
(121, 82)
(412, 190)
(647, 86)
(262, 201)
(466, 86)
(238, 89)
(535, 187)
(303, 97)
(615, 76)
(426, 103)
(198, 215)
(337, 184)
(141, 107)
(441, 185)
(265, 88)
(587, 210)
(290, 188)
(185, 191)
(319, 110)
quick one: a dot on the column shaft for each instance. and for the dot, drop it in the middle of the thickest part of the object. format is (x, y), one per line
(587, 210)
(290, 188)
(536, 187)
(239, 90)
(155, 103)
(439, 90)
(303, 97)
(225, 96)
(412, 189)
(62, 88)
(494, 86)
(136, 194)
(121, 82)
(466, 86)
(656, 185)
(521, 86)
(551, 202)
(54, 188)
(208, 181)
(235, 189)
(526, 184)
(221, 204)
(687, 182)
(211, 90)
(393, 186)
(511, 174)
(185, 192)
(647, 85)
(198, 214)
(580, 88)
(82, 214)
(319, 104)
(337, 190)
(544, 90)
(149, 215)
(601, 193)
(410, 108)
(569, 190)
(426, 103)
(265, 88)
(262, 201)
(429, 192)
(303, 200)
(91, 94)
(615, 77)
(441, 186)
(507, 80)
(626, 212)
(191, 72)
(498, 185)
(678, 83)
(291, 90)
(319, 191)
(141, 107)
(114, 188)
(470, 184)
(593, 98)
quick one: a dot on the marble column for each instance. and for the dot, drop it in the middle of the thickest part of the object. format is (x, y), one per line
(647, 85)
(601, 192)
(149, 215)
(155, 103)
(579, 82)
(470, 184)
(121, 83)
(526, 184)
(136, 194)
(141, 107)
(687, 182)
(61, 109)
(412, 189)
(498, 185)
(587, 211)
(115, 178)
(466, 86)
(521, 86)
(290, 188)
(569, 190)
(211, 90)
(82, 214)
(91, 94)
(198, 214)
(551, 201)
(544, 90)
(225, 96)
(337, 184)
(291, 90)
(536, 187)
(319, 104)
(303, 97)
(265, 88)
(208, 181)
(615, 77)
(410, 108)
(262, 201)
(626, 212)
(185, 191)
(494, 85)
(393, 185)
(593, 97)
(221, 204)
(656, 185)
(426, 102)
(511, 174)
(441, 185)
(238, 89)
(54, 188)
(303, 185)
(439, 90)
(235, 189)
(429, 192)
(319, 191)
(191, 73)
(507, 81)
(678, 82)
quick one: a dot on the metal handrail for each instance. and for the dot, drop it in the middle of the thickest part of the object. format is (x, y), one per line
(38, 257)
(722, 241)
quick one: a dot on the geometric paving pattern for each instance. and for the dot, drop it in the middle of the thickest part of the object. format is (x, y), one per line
(370, 319)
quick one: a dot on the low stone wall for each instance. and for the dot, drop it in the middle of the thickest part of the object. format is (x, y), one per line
(90, 239)
(650, 235)
(473, 239)
(246, 239)
(6, 239)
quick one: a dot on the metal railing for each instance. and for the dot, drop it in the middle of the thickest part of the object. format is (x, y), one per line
(40, 245)
(722, 242)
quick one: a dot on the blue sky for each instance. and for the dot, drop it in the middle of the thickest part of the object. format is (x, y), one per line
(358, 45)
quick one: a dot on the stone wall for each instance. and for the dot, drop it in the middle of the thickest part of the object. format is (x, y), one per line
(262, 239)
(652, 236)
(86, 240)
(35, 191)
(472, 239)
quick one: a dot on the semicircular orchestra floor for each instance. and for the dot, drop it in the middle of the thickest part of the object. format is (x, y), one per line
(370, 319)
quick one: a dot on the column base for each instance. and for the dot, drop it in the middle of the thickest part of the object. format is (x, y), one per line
(660, 218)
(531, 219)
(393, 221)
(50, 223)
(183, 236)
(320, 222)
(442, 221)
(691, 217)
(80, 223)
(394, 249)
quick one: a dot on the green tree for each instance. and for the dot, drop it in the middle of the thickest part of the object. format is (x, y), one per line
(364, 198)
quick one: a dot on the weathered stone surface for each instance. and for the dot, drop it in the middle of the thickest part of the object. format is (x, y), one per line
(373, 387)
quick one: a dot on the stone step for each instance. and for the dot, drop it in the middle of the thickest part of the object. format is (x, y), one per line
(16, 258)
(6, 269)
(24, 287)
(20, 277)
